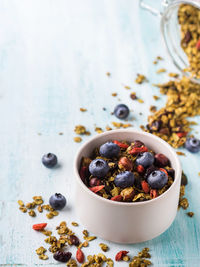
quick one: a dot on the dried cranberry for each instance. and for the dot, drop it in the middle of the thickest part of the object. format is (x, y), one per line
(94, 182)
(62, 256)
(74, 240)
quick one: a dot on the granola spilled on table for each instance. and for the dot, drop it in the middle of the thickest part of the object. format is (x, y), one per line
(38, 203)
(170, 122)
(126, 172)
(189, 20)
(141, 260)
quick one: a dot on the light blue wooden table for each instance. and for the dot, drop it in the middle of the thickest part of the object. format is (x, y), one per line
(54, 56)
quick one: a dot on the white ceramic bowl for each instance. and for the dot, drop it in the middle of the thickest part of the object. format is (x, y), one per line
(127, 222)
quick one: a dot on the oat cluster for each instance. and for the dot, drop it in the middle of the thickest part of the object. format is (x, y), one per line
(170, 122)
(37, 203)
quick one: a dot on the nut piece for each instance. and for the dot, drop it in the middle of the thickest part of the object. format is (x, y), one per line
(125, 163)
(161, 160)
(127, 194)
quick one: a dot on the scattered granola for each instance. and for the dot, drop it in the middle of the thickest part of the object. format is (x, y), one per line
(161, 70)
(83, 109)
(140, 100)
(98, 130)
(140, 79)
(183, 203)
(141, 259)
(32, 213)
(190, 214)
(114, 94)
(153, 109)
(173, 75)
(133, 96)
(104, 247)
(170, 122)
(108, 74)
(98, 260)
(180, 153)
(77, 139)
(38, 201)
(121, 125)
(156, 97)
(127, 87)
(41, 253)
(74, 223)
(80, 129)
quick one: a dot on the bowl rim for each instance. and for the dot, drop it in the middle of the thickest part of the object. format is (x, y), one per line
(131, 204)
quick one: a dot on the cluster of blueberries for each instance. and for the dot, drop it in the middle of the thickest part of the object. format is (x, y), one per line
(99, 168)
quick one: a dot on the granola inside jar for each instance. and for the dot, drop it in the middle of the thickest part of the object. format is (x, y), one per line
(180, 27)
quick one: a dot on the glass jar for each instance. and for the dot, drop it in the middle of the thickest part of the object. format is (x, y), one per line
(170, 29)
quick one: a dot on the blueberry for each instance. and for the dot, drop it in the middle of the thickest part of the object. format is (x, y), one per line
(57, 201)
(157, 179)
(99, 168)
(121, 111)
(109, 150)
(124, 179)
(49, 160)
(145, 159)
(193, 144)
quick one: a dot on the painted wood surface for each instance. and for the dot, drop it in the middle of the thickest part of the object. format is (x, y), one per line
(54, 56)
